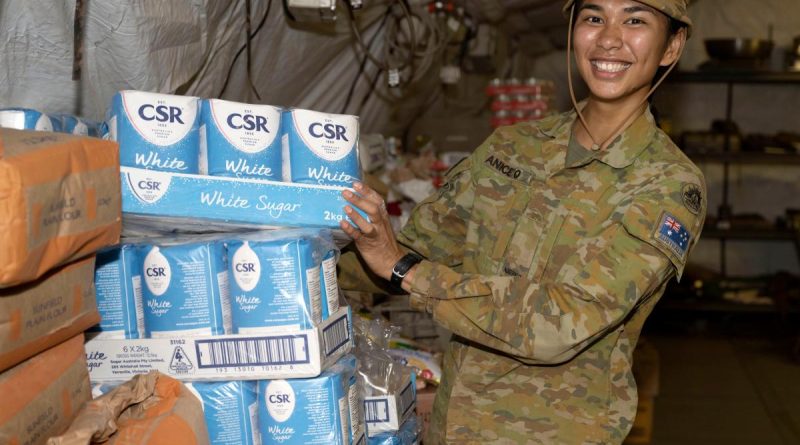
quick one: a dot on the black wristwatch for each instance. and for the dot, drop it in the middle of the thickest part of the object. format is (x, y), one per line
(401, 268)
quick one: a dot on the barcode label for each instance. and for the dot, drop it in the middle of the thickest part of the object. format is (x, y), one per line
(285, 350)
(336, 335)
(137, 301)
(355, 410)
(376, 411)
(331, 284)
(407, 399)
(343, 423)
(314, 294)
(225, 301)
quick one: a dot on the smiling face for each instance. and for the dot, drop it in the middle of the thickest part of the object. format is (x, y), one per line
(619, 45)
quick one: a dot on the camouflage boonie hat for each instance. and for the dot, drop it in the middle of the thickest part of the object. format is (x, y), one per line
(672, 8)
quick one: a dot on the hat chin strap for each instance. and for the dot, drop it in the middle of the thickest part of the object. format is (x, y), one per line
(636, 111)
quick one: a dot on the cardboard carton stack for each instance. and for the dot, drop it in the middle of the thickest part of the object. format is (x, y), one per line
(59, 204)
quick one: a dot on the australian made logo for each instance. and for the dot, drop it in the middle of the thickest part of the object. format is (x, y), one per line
(180, 363)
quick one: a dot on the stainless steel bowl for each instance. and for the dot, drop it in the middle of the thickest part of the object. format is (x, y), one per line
(739, 49)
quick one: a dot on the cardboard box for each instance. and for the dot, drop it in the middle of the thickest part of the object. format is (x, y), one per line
(425, 399)
(294, 354)
(43, 394)
(387, 413)
(168, 200)
(59, 201)
(46, 312)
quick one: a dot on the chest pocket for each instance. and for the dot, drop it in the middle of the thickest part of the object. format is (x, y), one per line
(499, 203)
(534, 236)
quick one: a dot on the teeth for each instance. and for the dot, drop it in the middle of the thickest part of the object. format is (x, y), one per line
(611, 67)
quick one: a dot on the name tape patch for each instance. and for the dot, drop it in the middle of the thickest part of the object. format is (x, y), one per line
(506, 169)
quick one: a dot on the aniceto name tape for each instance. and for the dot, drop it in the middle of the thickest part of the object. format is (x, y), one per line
(320, 148)
(118, 286)
(156, 131)
(230, 410)
(185, 289)
(240, 140)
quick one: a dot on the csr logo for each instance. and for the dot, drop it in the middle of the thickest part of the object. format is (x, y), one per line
(249, 122)
(160, 113)
(279, 398)
(244, 267)
(155, 272)
(149, 185)
(328, 131)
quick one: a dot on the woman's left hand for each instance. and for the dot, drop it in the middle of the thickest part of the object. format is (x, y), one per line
(374, 239)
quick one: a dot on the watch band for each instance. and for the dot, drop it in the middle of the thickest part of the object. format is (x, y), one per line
(401, 268)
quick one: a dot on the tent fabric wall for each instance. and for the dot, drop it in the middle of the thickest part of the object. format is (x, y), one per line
(186, 46)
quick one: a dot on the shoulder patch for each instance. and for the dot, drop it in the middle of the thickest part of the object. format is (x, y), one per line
(673, 234)
(692, 197)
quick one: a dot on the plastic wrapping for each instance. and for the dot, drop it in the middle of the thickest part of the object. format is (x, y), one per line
(389, 387)
(230, 410)
(26, 119)
(185, 289)
(240, 283)
(307, 411)
(409, 434)
(240, 140)
(320, 148)
(156, 131)
(118, 287)
(278, 280)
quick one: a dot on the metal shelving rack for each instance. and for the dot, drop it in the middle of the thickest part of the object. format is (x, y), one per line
(726, 158)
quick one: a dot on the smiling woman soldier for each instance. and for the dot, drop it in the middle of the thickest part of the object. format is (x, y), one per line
(545, 276)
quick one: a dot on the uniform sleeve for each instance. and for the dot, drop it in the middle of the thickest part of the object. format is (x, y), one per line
(551, 322)
(438, 225)
(435, 230)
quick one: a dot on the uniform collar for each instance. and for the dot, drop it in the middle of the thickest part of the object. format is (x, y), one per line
(622, 151)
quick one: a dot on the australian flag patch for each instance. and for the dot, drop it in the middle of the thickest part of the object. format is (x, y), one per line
(673, 234)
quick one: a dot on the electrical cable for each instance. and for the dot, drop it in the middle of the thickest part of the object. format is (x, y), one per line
(384, 64)
(239, 53)
(364, 61)
(247, 45)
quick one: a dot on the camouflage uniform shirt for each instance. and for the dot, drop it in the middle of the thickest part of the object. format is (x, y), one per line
(545, 273)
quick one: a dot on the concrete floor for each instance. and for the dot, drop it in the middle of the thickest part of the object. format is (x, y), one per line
(726, 386)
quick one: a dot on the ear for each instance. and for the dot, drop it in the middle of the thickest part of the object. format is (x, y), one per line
(674, 48)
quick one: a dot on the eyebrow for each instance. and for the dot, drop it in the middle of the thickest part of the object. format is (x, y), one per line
(628, 10)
